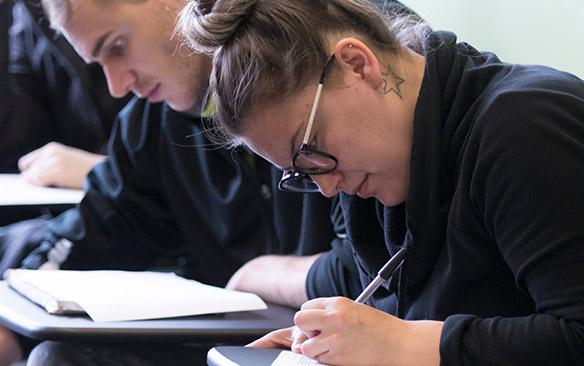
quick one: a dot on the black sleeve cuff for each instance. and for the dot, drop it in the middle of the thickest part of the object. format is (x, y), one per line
(334, 273)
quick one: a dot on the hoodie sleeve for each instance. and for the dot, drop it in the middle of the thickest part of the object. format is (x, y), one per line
(527, 186)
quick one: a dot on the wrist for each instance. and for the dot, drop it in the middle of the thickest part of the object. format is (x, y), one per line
(291, 280)
(421, 343)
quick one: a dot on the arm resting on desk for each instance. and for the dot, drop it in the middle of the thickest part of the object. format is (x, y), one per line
(275, 278)
(58, 165)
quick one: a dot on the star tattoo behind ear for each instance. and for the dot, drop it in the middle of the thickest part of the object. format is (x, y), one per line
(388, 86)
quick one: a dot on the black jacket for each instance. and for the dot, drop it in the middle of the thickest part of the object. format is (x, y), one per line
(54, 82)
(165, 195)
(5, 21)
(494, 215)
(48, 92)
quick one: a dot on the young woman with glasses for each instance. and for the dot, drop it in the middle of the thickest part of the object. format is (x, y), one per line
(476, 166)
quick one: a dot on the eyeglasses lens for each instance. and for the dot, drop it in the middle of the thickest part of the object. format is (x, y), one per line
(314, 163)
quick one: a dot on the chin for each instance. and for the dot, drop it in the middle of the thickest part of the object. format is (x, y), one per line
(185, 105)
(179, 107)
(390, 200)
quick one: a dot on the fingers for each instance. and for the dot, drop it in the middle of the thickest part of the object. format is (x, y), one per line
(321, 322)
(58, 165)
(298, 338)
(319, 303)
(316, 347)
(323, 314)
(26, 160)
(48, 150)
(310, 321)
(281, 338)
(36, 159)
(41, 173)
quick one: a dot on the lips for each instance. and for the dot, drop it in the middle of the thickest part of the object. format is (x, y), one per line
(359, 190)
(152, 94)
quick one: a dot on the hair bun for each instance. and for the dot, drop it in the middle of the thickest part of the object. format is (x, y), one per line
(209, 24)
(202, 7)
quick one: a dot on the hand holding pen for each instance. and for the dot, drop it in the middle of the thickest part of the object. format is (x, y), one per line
(327, 327)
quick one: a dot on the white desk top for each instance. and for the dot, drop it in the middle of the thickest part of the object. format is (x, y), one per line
(26, 318)
(14, 191)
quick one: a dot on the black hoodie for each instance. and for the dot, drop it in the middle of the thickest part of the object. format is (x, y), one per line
(495, 212)
(47, 92)
(166, 192)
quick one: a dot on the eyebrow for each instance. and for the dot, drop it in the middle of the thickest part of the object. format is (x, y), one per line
(99, 45)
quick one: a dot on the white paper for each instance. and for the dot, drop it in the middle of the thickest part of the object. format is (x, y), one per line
(123, 295)
(288, 358)
(14, 191)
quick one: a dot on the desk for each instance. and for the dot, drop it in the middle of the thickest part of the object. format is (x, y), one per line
(30, 320)
(20, 200)
(230, 355)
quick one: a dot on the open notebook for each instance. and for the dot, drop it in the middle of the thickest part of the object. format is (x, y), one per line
(125, 295)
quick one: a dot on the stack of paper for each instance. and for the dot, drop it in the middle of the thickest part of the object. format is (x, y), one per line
(122, 295)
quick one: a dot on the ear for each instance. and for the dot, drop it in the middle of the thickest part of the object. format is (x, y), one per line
(355, 57)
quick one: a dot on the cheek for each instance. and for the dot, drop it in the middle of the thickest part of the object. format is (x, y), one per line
(346, 147)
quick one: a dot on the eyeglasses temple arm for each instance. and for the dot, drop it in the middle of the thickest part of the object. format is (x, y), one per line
(312, 114)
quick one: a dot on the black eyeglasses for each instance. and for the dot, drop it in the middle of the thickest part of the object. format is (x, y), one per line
(308, 160)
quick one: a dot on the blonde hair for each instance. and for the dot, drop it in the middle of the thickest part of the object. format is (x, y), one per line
(265, 50)
(59, 11)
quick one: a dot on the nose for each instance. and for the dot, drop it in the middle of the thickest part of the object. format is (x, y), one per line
(119, 80)
(327, 183)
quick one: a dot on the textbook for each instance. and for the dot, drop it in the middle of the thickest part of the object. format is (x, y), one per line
(108, 296)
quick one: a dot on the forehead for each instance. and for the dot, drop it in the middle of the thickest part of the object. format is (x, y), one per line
(274, 131)
(81, 11)
(88, 20)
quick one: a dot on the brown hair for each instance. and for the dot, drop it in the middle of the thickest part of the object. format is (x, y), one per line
(265, 50)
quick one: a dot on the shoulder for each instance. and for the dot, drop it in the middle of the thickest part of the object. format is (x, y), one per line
(527, 133)
(528, 100)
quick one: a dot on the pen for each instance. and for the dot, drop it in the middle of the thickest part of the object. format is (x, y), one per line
(384, 274)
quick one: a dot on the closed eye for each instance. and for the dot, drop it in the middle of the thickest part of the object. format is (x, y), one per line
(118, 47)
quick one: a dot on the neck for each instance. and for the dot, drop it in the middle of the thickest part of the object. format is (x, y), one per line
(412, 66)
(200, 108)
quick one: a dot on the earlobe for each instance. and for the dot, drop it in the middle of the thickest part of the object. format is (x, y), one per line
(355, 57)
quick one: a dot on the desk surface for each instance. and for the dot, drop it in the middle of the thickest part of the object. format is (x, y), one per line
(21, 201)
(28, 319)
(17, 192)
(241, 356)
